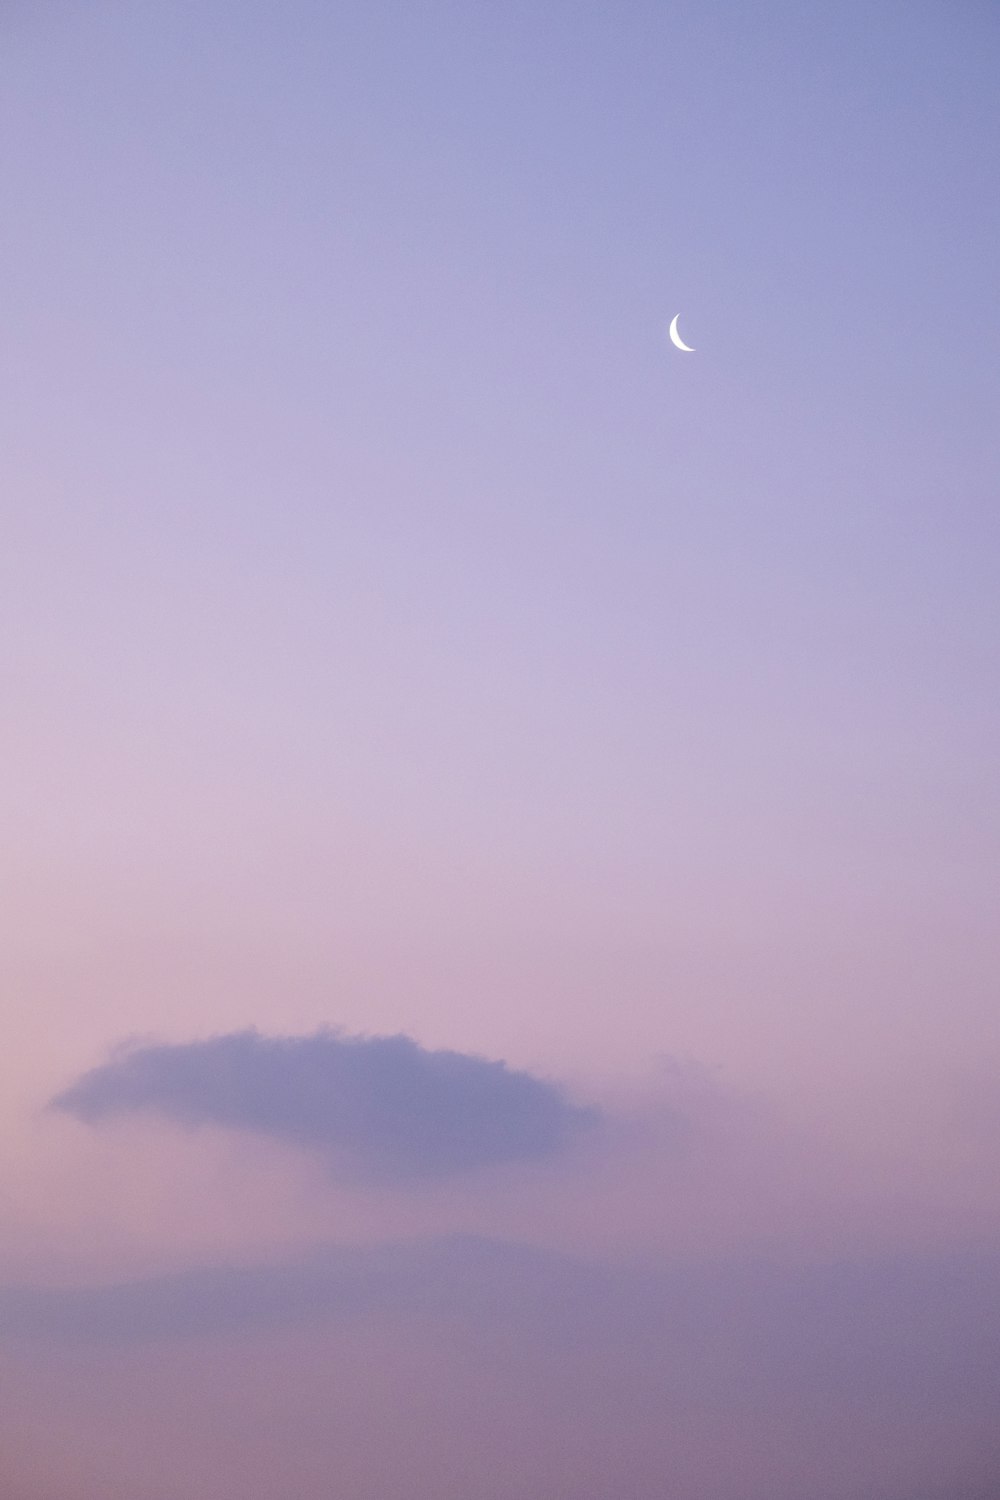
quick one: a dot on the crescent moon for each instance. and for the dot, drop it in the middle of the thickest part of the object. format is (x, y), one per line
(675, 338)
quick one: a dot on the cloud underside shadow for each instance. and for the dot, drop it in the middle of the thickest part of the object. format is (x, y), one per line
(380, 1108)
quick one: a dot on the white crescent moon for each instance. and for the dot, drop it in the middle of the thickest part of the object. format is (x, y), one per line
(675, 338)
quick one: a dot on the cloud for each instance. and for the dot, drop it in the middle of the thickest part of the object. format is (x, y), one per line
(924, 1329)
(463, 1275)
(383, 1108)
(740, 1379)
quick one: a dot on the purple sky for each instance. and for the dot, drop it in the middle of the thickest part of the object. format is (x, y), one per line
(413, 664)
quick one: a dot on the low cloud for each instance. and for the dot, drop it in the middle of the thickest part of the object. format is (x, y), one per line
(382, 1108)
(736, 1380)
(914, 1333)
(484, 1281)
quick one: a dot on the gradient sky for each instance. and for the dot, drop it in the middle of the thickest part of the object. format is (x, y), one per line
(400, 638)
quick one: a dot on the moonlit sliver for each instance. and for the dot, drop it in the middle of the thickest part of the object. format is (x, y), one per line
(676, 338)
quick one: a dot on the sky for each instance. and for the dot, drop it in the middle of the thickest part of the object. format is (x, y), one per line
(500, 815)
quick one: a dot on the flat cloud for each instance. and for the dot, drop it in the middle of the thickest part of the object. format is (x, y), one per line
(469, 1276)
(379, 1107)
(922, 1330)
(873, 1377)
